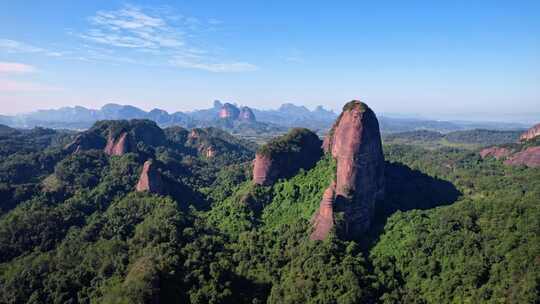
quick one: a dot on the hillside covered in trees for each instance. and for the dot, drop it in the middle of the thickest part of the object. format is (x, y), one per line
(452, 227)
(471, 139)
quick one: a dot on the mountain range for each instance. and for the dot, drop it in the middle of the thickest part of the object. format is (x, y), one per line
(234, 118)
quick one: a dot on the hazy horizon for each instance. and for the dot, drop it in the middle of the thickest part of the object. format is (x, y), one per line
(523, 118)
(476, 61)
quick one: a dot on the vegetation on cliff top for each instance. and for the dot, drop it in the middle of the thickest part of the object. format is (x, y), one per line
(355, 104)
(294, 141)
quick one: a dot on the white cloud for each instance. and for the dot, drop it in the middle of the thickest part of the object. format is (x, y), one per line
(130, 27)
(13, 46)
(193, 63)
(160, 34)
(15, 68)
(134, 35)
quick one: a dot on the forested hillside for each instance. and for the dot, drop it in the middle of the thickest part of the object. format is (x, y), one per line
(471, 139)
(453, 227)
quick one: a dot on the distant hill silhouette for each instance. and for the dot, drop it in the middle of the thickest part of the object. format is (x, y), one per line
(249, 120)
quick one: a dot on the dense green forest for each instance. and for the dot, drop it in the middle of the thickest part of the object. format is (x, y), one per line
(453, 228)
(471, 139)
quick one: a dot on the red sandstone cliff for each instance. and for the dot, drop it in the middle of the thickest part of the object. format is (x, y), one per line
(150, 179)
(531, 133)
(229, 111)
(118, 146)
(529, 157)
(263, 173)
(210, 152)
(323, 220)
(496, 152)
(355, 142)
(283, 156)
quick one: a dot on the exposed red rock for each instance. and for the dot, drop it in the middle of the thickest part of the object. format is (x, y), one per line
(529, 157)
(531, 133)
(229, 111)
(118, 146)
(496, 152)
(323, 220)
(327, 144)
(150, 179)
(355, 143)
(262, 170)
(283, 156)
(194, 134)
(246, 114)
(209, 152)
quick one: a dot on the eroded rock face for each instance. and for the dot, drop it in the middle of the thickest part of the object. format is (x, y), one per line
(246, 114)
(263, 172)
(355, 142)
(323, 220)
(529, 157)
(283, 156)
(150, 179)
(194, 134)
(532, 133)
(209, 152)
(119, 146)
(496, 152)
(229, 111)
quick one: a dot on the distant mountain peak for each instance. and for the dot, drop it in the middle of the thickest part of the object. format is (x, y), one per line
(290, 107)
(217, 104)
(111, 105)
(229, 111)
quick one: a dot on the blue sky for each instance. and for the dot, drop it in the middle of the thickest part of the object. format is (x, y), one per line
(442, 59)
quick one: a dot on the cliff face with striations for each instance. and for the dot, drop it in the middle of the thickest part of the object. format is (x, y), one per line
(118, 137)
(355, 142)
(118, 146)
(529, 157)
(283, 156)
(150, 179)
(531, 133)
(525, 153)
(263, 172)
(323, 220)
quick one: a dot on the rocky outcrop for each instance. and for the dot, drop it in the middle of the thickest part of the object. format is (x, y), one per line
(229, 111)
(323, 220)
(118, 146)
(246, 114)
(283, 156)
(496, 152)
(150, 179)
(263, 172)
(529, 157)
(530, 134)
(355, 142)
(194, 134)
(117, 137)
(210, 152)
(85, 141)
